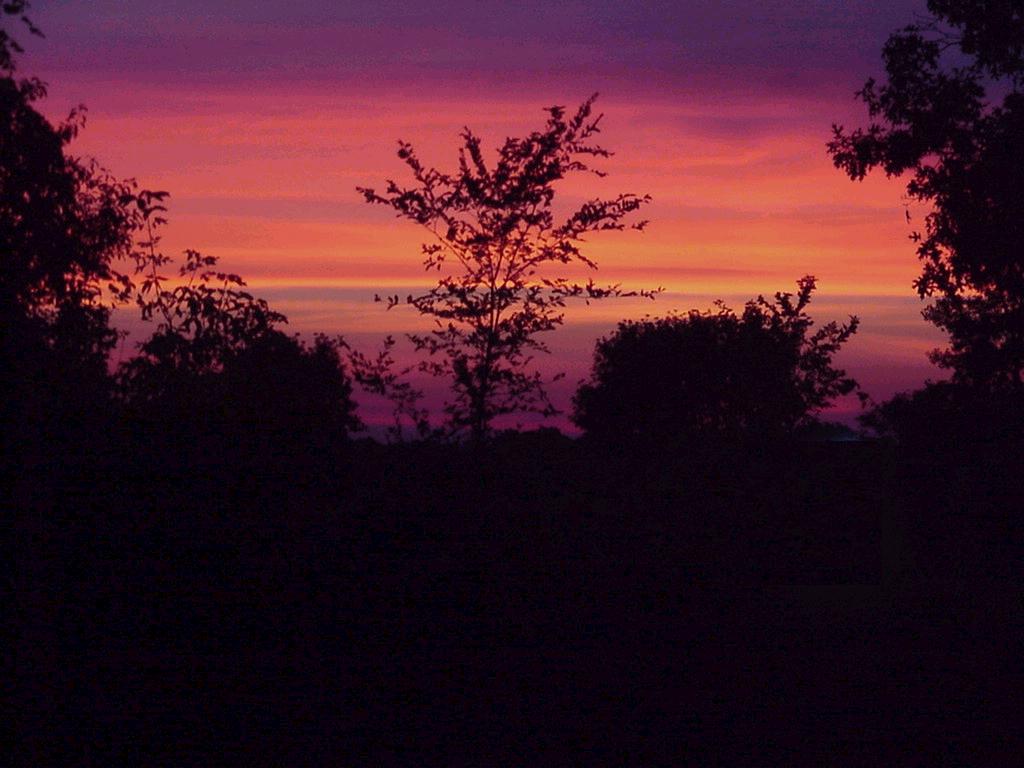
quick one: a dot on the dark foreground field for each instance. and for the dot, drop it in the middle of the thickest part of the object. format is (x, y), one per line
(540, 602)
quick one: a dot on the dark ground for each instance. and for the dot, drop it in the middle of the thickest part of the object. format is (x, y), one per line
(540, 602)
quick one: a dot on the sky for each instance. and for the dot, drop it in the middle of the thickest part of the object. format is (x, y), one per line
(262, 118)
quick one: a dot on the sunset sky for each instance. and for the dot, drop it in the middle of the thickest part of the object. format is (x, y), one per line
(261, 119)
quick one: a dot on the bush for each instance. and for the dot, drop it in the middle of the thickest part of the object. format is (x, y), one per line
(714, 374)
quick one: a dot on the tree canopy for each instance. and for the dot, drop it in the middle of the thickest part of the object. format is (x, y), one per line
(218, 356)
(65, 224)
(501, 249)
(76, 243)
(715, 374)
(951, 117)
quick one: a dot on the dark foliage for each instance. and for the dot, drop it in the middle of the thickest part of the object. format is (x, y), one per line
(381, 375)
(715, 374)
(945, 416)
(8, 44)
(951, 114)
(499, 247)
(218, 362)
(65, 224)
(216, 373)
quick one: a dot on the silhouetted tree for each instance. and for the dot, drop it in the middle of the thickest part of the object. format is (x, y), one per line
(8, 45)
(499, 246)
(278, 387)
(217, 355)
(946, 415)
(715, 374)
(201, 321)
(952, 115)
(64, 224)
(381, 375)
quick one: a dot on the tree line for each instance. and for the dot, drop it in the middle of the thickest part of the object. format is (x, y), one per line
(79, 243)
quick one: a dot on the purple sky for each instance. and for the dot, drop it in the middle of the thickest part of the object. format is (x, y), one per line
(780, 46)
